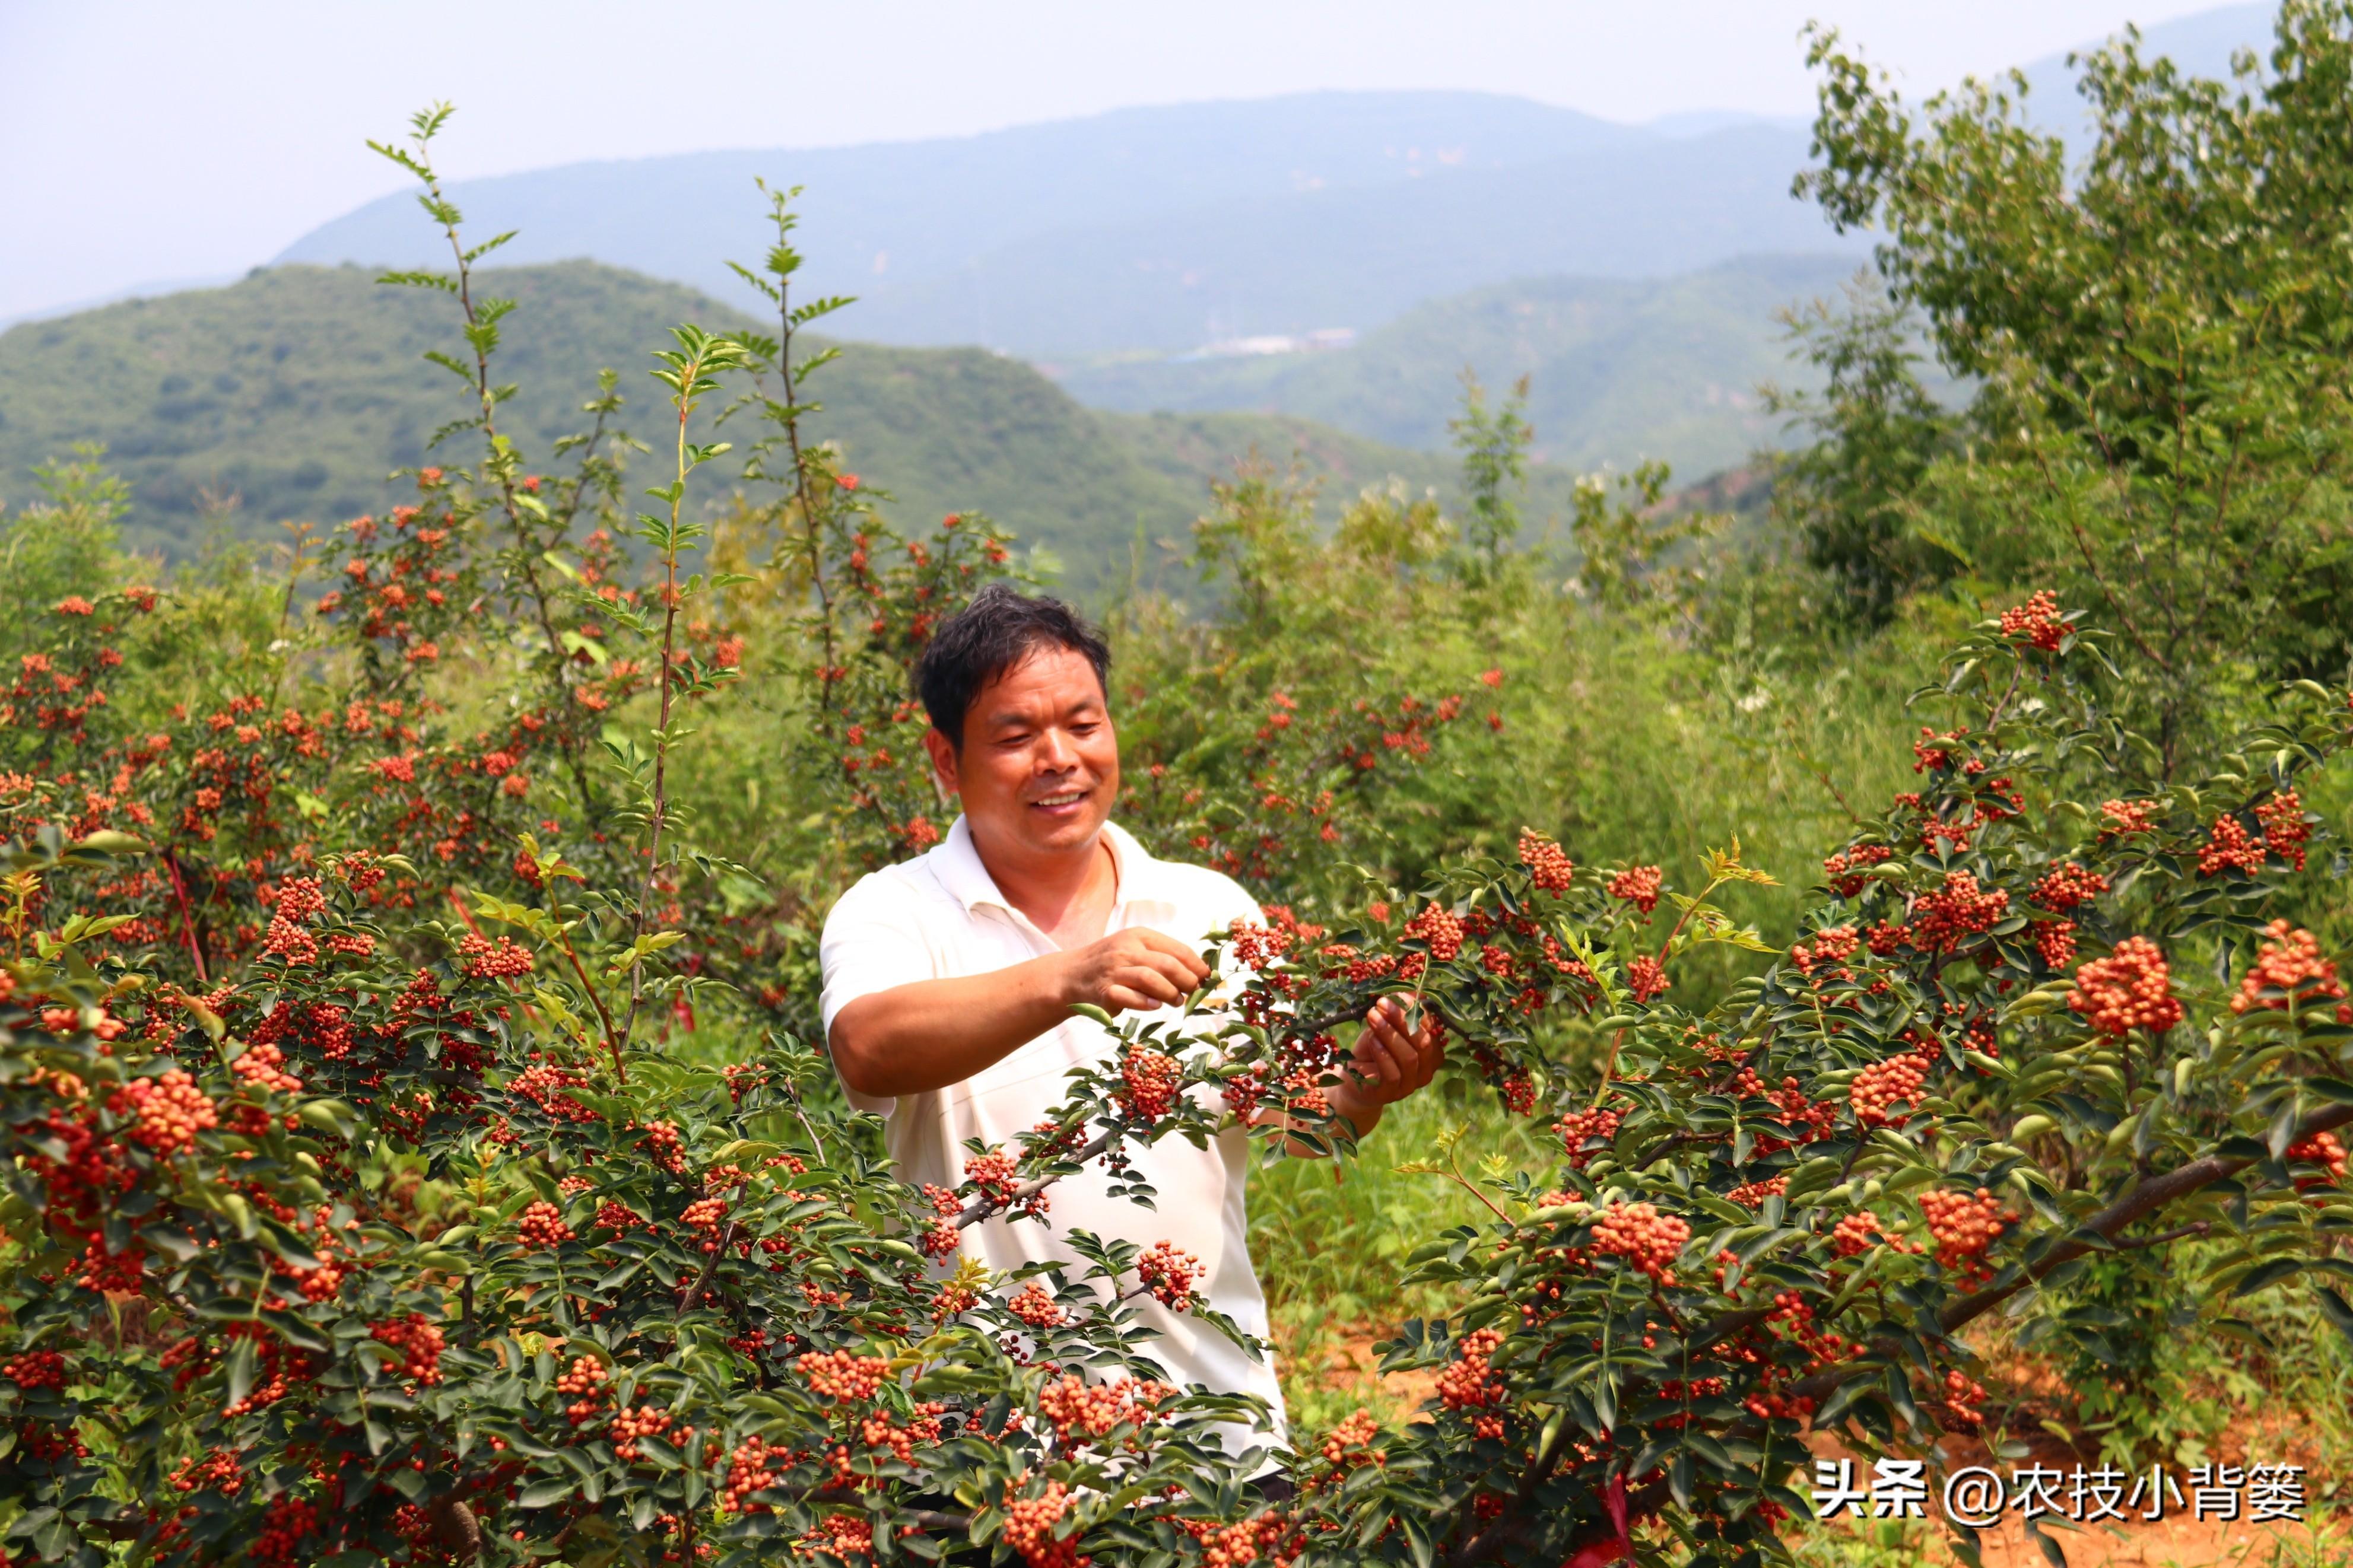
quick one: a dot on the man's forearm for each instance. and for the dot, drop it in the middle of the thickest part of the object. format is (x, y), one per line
(931, 1033)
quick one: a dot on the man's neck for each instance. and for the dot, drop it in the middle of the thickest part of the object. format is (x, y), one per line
(1068, 896)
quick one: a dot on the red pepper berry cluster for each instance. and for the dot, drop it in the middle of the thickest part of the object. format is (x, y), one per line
(1639, 886)
(2285, 832)
(1034, 1307)
(1845, 870)
(2129, 989)
(1646, 977)
(1150, 1081)
(1752, 1194)
(2036, 622)
(704, 1215)
(265, 1068)
(2290, 963)
(1964, 1224)
(838, 1374)
(1168, 1274)
(1439, 928)
(1964, 1398)
(1644, 1237)
(2061, 889)
(170, 1107)
(2321, 1148)
(752, 1466)
(419, 1344)
(2126, 817)
(486, 960)
(1581, 1129)
(34, 1370)
(2230, 847)
(1548, 867)
(584, 1384)
(1943, 921)
(1855, 1235)
(1878, 1088)
(2055, 941)
(1468, 1383)
(628, 1425)
(541, 1226)
(1082, 1411)
(1028, 1528)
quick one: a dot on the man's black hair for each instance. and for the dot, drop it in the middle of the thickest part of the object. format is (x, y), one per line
(999, 629)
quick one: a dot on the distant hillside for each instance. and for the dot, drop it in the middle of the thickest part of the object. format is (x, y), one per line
(1164, 227)
(1619, 369)
(1168, 227)
(296, 390)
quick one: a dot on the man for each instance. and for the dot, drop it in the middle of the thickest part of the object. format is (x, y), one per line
(950, 980)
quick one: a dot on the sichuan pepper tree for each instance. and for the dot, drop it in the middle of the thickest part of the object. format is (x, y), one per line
(352, 1223)
(510, 1290)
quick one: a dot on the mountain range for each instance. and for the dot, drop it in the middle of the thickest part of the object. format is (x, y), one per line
(1163, 229)
(292, 393)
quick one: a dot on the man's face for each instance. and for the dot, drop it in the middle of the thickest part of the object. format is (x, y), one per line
(1040, 765)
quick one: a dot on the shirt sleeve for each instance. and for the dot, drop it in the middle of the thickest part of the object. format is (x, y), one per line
(874, 939)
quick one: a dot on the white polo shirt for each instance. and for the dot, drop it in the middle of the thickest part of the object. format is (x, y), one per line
(941, 917)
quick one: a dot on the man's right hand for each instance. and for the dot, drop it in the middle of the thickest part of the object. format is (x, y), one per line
(1132, 970)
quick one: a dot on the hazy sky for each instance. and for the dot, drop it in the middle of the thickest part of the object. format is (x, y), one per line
(144, 142)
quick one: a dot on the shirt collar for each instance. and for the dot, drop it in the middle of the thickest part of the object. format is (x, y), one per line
(957, 864)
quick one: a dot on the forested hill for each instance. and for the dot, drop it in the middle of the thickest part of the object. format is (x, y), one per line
(296, 390)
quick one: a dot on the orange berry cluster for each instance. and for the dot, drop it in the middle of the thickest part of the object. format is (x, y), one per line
(1965, 1399)
(1644, 1237)
(1354, 1433)
(1878, 1088)
(664, 1138)
(1084, 1410)
(1034, 1307)
(838, 1374)
(1752, 1194)
(1855, 1235)
(584, 1382)
(752, 1466)
(2321, 1148)
(1943, 920)
(1469, 1383)
(1845, 870)
(704, 1215)
(265, 1065)
(2036, 622)
(844, 1536)
(1964, 1224)
(1580, 1127)
(419, 1344)
(541, 1226)
(1028, 1528)
(628, 1425)
(1639, 886)
(2290, 963)
(171, 1111)
(1169, 1275)
(2230, 847)
(1549, 868)
(486, 960)
(1440, 928)
(2285, 832)
(1150, 1081)
(1646, 977)
(2129, 989)
(618, 1218)
(2061, 889)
